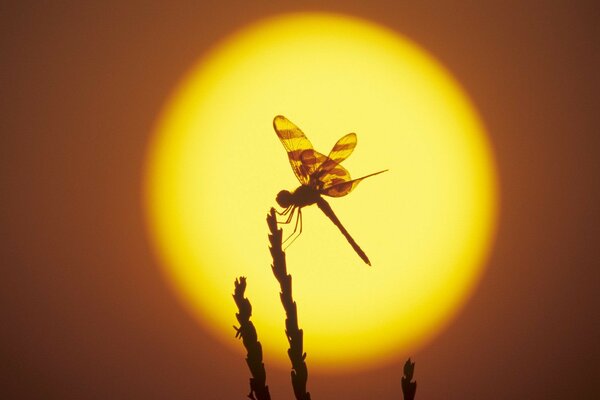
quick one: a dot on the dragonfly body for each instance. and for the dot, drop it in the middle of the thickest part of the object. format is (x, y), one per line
(301, 197)
(318, 175)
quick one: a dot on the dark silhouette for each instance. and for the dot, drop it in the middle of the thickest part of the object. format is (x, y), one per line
(294, 334)
(318, 175)
(409, 388)
(299, 373)
(258, 388)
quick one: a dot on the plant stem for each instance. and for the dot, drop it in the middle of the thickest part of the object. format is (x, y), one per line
(299, 373)
(258, 388)
(409, 387)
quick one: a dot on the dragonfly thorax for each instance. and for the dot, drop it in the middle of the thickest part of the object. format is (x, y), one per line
(303, 196)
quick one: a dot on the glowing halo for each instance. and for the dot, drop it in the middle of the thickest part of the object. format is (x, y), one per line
(215, 165)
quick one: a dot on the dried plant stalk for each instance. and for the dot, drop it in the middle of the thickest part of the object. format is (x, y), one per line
(247, 331)
(294, 334)
(409, 387)
(258, 388)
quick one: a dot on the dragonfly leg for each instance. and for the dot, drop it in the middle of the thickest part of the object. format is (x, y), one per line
(295, 227)
(298, 222)
(291, 215)
(289, 219)
(285, 213)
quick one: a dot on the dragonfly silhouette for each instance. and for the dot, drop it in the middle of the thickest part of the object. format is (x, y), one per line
(318, 175)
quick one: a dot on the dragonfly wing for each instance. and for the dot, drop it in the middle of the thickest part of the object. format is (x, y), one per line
(335, 176)
(312, 161)
(340, 151)
(295, 143)
(340, 187)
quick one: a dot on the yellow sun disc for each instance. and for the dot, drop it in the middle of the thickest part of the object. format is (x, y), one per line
(215, 165)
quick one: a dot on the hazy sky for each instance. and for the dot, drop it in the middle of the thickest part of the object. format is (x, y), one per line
(86, 313)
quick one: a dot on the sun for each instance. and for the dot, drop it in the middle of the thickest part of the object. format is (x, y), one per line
(215, 165)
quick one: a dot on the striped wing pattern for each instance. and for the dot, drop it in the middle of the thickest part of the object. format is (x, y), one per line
(295, 143)
(340, 151)
(319, 165)
(313, 168)
(339, 188)
(312, 161)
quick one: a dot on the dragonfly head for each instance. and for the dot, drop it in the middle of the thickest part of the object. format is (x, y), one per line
(284, 199)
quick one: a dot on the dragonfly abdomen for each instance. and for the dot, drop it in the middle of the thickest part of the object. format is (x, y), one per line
(326, 208)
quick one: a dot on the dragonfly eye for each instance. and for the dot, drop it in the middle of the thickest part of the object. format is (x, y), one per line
(284, 199)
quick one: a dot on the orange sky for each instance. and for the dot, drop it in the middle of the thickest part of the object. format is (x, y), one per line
(86, 312)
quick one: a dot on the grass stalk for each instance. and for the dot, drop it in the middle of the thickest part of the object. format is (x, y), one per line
(294, 334)
(247, 332)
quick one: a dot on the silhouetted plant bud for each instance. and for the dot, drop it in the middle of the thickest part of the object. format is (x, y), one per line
(409, 369)
(409, 388)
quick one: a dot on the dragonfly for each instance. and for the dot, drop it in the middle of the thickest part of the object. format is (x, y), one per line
(318, 175)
